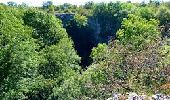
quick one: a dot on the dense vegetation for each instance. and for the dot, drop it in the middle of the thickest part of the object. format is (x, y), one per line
(125, 47)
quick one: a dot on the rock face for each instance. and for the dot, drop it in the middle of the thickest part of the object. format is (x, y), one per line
(85, 38)
(92, 22)
(65, 17)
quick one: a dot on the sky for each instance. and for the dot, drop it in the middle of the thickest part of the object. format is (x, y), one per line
(58, 2)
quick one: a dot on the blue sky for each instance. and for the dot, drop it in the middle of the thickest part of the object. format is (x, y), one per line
(58, 2)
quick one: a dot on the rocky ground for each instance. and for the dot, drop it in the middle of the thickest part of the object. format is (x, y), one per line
(134, 96)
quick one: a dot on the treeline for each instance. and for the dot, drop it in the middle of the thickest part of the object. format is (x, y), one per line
(38, 60)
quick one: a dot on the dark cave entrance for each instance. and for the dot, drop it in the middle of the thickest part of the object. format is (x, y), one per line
(82, 36)
(84, 41)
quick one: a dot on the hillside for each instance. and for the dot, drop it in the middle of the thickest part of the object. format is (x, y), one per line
(87, 52)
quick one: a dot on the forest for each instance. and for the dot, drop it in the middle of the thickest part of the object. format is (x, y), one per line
(85, 52)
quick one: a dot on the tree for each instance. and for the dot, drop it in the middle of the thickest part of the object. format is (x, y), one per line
(47, 4)
(60, 60)
(23, 5)
(89, 5)
(19, 59)
(38, 60)
(137, 32)
(11, 3)
(146, 12)
(124, 65)
(36, 54)
(80, 20)
(46, 34)
(163, 15)
(99, 53)
(51, 9)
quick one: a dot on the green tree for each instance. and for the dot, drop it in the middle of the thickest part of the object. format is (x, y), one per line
(146, 12)
(60, 60)
(47, 4)
(11, 3)
(89, 5)
(48, 29)
(126, 66)
(99, 53)
(19, 59)
(80, 20)
(163, 15)
(23, 5)
(36, 54)
(137, 32)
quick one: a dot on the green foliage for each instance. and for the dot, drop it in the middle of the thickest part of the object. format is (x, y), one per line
(137, 32)
(89, 5)
(99, 53)
(94, 82)
(146, 12)
(109, 17)
(80, 20)
(57, 61)
(49, 7)
(69, 90)
(36, 54)
(47, 29)
(38, 60)
(132, 63)
(106, 15)
(47, 4)
(165, 52)
(19, 59)
(163, 15)
(68, 8)
(11, 3)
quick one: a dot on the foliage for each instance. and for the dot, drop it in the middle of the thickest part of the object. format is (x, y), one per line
(163, 15)
(47, 28)
(36, 54)
(38, 59)
(137, 32)
(47, 4)
(70, 89)
(89, 5)
(146, 12)
(125, 69)
(11, 3)
(19, 59)
(80, 20)
(99, 53)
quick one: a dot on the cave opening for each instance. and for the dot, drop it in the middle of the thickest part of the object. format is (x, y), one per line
(84, 40)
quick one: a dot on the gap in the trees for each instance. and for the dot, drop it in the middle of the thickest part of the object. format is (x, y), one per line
(82, 36)
(86, 37)
(83, 42)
